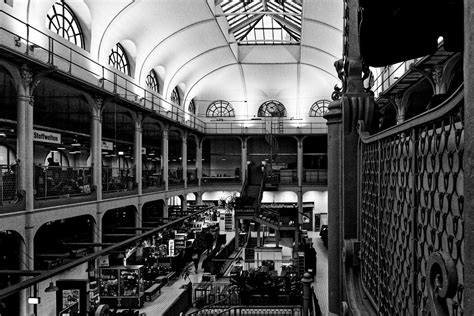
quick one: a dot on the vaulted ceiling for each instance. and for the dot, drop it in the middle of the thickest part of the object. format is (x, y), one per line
(205, 46)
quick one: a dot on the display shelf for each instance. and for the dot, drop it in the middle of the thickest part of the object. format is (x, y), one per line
(229, 221)
(121, 286)
(180, 241)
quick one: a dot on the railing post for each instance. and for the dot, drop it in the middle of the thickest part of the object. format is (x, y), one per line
(334, 122)
(306, 280)
(468, 281)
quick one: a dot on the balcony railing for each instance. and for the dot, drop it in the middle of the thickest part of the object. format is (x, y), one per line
(215, 176)
(57, 181)
(118, 179)
(282, 176)
(315, 176)
(411, 206)
(65, 57)
(8, 184)
(71, 60)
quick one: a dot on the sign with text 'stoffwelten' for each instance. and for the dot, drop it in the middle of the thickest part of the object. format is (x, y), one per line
(46, 137)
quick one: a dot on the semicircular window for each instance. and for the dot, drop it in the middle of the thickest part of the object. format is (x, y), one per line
(175, 98)
(192, 107)
(152, 81)
(319, 108)
(62, 21)
(272, 108)
(118, 59)
(220, 108)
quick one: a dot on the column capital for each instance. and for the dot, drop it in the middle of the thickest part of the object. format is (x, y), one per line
(26, 75)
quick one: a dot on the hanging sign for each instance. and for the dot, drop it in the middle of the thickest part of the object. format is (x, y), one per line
(46, 137)
(107, 145)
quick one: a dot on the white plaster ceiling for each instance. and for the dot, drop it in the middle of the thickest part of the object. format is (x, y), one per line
(189, 47)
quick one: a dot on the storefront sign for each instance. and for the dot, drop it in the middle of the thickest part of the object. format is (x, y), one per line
(107, 145)
(46, 137)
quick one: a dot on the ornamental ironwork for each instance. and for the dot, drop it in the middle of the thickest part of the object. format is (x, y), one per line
(411, 211)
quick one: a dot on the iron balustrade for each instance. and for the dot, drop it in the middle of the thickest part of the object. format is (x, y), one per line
(64, 57)
(411, 206)
(8, 184)
(58, 181)
(118, 179)
(315, 176)
(228, 175)
(71, 60)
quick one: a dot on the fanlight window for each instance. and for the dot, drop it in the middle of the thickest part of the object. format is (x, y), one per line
(272, 108)
(192, 107)
(152, 81)
(319, 108)
(118, 59)
(219, 109)
(62, 21)
(175, 98)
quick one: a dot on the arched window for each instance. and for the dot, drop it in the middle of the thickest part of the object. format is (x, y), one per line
(220, 108)
(63, 22)
(175, 96)
(192, 107)
(152, 81)
(118, 59)
(319, 108)
(272, 108)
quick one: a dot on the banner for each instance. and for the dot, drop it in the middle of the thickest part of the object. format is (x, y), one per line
(46, 137)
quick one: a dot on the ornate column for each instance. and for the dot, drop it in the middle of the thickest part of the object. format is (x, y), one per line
(137, 143)
(184, 160)
(199, 163)
(96, 145)
(243, 163)
(25, 156)
(164, 160)
(25, 135)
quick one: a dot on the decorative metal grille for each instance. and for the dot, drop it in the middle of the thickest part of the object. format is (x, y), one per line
(411, 206)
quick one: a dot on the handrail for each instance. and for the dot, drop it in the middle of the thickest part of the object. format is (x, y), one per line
(130, 88)
(74, 62)
(423, 118)
(50, 273)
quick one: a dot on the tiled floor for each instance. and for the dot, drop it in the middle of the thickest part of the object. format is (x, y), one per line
(171, 291)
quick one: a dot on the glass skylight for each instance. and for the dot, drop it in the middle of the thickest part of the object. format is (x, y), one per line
(264, 21)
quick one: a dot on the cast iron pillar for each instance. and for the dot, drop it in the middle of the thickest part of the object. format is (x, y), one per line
(306, 280)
